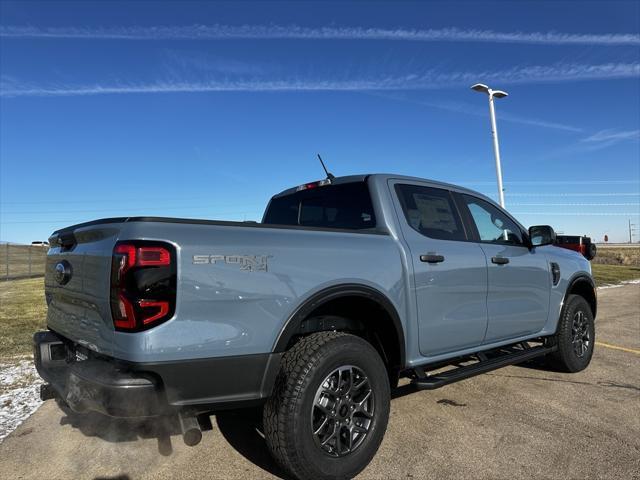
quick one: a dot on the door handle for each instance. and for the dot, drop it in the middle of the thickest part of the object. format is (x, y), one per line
(431, 258)
(499, 260)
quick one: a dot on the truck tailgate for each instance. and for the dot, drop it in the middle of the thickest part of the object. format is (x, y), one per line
(77, 286)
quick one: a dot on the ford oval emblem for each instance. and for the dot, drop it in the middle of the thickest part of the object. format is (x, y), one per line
(63, 272)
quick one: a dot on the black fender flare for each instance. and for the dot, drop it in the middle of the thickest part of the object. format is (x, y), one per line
(580, 278)
(294, 321)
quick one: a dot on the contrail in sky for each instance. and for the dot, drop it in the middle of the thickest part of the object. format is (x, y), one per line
(430, 80)
(275, 32)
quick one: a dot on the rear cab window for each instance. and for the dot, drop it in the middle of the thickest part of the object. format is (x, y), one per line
(342, 206)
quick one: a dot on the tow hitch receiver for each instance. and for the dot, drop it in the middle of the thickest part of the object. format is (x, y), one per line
(47, 392)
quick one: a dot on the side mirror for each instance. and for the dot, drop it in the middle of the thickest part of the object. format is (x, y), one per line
(541, 235)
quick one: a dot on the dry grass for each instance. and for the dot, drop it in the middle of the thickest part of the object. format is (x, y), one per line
(618, 256)
(615, 265)
(23, 311)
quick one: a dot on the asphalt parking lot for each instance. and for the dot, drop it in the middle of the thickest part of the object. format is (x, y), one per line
(518, 422)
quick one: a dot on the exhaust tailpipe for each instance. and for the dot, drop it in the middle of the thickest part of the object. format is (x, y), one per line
(191, 432)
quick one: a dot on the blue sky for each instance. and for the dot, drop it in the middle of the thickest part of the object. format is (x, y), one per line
(205, 110)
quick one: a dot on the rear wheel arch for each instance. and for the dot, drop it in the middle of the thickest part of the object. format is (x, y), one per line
(355, 308)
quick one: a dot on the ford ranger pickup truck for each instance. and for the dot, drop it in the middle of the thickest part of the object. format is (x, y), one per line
(347, 285)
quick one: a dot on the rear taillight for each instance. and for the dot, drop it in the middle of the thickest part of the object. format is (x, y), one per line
(143, 284)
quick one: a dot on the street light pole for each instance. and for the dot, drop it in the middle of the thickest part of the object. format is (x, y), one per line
(479, 87)
(496, 149)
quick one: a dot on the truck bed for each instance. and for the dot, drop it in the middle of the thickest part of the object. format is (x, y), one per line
(238, 282)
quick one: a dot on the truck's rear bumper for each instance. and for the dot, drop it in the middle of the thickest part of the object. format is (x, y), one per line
(94, 384)
(128, 389)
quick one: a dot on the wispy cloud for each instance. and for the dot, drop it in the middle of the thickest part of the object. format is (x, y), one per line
(607, 138)
(429, 80)
(613, 135)
(184, 61)
(226, 32)
(468, 109)
(596, 141)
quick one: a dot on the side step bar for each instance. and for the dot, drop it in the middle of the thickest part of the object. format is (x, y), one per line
(503, 358)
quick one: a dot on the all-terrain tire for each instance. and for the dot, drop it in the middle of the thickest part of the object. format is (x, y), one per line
(288, 416)
(575, 337)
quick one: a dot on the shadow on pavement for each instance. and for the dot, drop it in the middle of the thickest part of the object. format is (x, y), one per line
(243, 430)
(403, 390)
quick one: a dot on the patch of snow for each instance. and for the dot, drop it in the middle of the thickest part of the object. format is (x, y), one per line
(19, 394)
(621, 284)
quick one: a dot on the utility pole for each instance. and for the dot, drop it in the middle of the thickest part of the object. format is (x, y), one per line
(631, 230)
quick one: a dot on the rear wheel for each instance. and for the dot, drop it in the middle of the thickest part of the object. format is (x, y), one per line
(575, 336)
(330, 407)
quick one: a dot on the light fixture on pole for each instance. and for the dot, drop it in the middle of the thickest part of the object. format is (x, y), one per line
(479, 87)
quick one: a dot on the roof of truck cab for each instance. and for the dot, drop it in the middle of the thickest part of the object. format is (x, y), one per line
(383, 177)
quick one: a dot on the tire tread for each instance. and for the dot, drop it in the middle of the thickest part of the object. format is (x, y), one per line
(296, 363)
(563, 359)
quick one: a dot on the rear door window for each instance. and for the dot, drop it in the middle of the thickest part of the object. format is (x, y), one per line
(431, 211)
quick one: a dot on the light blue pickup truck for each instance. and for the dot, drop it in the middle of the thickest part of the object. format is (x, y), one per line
(347, 285)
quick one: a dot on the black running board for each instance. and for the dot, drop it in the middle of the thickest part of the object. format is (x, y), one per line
(505, 357)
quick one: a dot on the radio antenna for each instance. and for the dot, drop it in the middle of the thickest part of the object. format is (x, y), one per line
(329, 175)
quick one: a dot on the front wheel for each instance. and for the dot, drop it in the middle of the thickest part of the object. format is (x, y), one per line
(575, 337)
(330, 407)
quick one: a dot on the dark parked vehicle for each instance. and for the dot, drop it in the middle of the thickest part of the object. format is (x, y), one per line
(578, 244)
